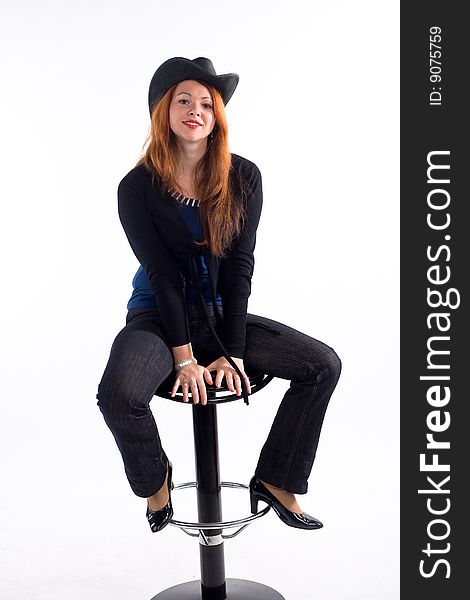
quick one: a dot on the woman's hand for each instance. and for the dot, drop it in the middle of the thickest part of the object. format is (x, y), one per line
(223, 367)
(191, 377)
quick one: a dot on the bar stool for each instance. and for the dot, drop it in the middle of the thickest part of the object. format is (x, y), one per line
(213, 585)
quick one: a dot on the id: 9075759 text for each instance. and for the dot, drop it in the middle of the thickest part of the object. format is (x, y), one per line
(435, 66)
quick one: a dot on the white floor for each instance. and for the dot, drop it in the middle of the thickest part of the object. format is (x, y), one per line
(72, 529)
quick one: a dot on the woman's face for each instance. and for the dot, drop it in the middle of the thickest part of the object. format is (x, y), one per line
(191, 112)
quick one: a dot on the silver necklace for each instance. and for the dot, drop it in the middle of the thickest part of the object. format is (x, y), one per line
(183, 199)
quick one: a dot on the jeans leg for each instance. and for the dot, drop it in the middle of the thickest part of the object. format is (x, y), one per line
(139, 361)
(313, 369)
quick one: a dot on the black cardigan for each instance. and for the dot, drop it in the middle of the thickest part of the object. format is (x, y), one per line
(158, 236)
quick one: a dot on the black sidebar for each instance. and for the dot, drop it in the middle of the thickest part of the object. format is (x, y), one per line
(435, 256)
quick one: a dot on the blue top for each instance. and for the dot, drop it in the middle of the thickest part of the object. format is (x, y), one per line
(142, 294)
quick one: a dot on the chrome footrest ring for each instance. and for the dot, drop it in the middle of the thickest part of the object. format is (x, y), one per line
(202, 528)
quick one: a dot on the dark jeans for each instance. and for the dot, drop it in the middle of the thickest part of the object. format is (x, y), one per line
(141, 359)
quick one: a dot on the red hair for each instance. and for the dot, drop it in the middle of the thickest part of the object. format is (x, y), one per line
(220, 212)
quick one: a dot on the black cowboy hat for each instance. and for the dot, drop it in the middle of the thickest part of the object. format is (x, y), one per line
(178, 69)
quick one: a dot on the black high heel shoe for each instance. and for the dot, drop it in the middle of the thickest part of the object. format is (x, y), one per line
(258, 491)
(159, 518)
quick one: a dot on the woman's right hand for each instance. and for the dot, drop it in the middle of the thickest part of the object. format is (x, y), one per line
(191, 377)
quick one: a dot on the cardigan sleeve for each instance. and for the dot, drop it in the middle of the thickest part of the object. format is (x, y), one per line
(158, 262)
(236, 269)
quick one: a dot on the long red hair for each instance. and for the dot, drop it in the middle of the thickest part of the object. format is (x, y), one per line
(220, 212)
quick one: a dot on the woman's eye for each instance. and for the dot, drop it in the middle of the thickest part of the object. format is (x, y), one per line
(186, 101)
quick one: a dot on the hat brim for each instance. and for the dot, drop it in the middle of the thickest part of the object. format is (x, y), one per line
(179, 69)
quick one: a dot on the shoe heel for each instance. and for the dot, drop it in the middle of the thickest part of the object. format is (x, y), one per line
(170, 475)
(254, 504)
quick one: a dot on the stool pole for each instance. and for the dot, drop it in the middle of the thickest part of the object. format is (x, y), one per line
(209, 501)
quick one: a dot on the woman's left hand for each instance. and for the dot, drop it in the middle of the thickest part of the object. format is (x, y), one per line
(224, 368)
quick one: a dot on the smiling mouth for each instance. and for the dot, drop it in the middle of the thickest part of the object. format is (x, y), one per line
(193, 124)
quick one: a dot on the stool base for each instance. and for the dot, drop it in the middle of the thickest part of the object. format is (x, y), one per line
(237, 589)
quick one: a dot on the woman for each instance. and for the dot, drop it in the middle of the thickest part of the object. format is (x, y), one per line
(190, 210)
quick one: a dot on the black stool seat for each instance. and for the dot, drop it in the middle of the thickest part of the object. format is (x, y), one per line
(213, 585)
(222, 394)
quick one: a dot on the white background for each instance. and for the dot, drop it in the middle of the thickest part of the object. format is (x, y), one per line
(317, 110)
